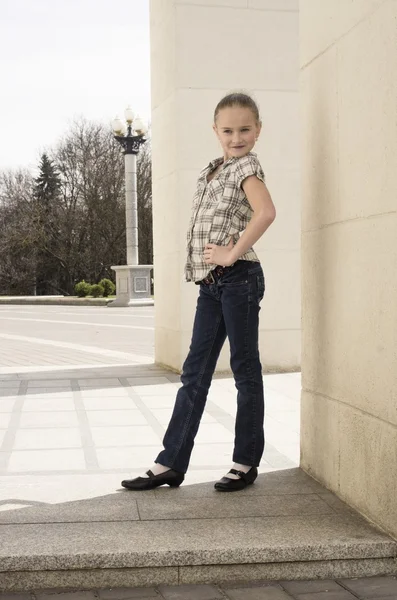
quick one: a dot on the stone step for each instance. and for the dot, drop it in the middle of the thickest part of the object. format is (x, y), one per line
(286, 526)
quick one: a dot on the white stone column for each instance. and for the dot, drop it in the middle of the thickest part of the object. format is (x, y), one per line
(133, 281)
(199, 52)
(131, 210)
(349, 252)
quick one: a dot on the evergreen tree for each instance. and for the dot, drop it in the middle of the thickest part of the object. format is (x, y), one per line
(46, 197)
(47, 183)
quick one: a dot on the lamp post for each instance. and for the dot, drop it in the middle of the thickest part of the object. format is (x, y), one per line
(132, 280)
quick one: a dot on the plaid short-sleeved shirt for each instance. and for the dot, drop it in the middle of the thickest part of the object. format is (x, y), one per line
(220, 211)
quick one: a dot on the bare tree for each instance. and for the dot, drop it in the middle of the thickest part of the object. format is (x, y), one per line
(83, 234)
(145, 223)
(92, 203)
(17, 261)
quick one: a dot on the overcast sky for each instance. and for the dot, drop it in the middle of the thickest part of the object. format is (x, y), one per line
(61, 59)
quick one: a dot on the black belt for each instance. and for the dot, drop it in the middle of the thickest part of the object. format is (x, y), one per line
(210, 279)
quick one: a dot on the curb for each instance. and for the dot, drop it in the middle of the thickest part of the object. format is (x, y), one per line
(53, 301)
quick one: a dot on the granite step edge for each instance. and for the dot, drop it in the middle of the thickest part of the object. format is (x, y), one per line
(102, 578)
(380, 549)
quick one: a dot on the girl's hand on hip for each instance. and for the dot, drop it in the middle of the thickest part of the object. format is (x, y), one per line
(219, 255)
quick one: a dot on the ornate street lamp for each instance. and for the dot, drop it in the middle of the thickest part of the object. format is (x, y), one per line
(132, 280)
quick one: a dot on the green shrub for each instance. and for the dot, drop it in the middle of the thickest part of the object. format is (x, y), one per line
(96, 290)
(82, 289)
(108, 287)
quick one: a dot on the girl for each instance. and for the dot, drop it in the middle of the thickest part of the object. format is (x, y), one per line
(231, 197)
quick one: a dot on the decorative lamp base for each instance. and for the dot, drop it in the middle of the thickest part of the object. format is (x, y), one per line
(133, 286)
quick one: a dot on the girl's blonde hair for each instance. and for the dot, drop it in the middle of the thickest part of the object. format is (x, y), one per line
(238, 99)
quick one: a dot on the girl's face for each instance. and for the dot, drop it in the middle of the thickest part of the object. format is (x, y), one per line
(237, 131)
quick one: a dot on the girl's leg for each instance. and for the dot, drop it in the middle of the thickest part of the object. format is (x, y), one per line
(240, 302)
(208, 337)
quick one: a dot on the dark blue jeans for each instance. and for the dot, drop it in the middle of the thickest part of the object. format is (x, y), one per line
(229, 307)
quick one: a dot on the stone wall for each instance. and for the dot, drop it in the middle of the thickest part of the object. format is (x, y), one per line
(349, 251)
(199, 52)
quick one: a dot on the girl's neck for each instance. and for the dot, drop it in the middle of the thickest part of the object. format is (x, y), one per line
(225, 158)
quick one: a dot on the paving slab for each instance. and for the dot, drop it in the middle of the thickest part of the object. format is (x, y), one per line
(309, 587)
(128, 594)
(115, 507)
(166, 507)
(265, 593)
(333, 595)
(193, 592)
(321, 569)
(15, 596)
(78, 595)
(373, 588)
(253, 590)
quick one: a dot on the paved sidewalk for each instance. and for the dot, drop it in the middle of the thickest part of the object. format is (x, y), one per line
(82, 406)
(376, 588)
(53, 338)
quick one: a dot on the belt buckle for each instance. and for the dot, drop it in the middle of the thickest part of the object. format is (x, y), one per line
(211, 277)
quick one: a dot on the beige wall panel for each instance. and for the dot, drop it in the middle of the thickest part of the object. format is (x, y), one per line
(323, 22)
(165, 224)
(280, 350)
(162, 51)
(187, 179)
(167, 282)
(350, 314)
(368, 465)
(159, 11)
(279, 142)
(168, 349)
(367, 93)
(188, 309)
(163, 123)
(196, 142)
(218, 60)
(218, 3)
(320, 183)
(224, 359)
(320, 426)
(284, 233)
(347, 139)
(283, 288)
(279, 5)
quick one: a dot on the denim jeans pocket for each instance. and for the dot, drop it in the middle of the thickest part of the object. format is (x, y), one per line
(260, 286)
(232, 284)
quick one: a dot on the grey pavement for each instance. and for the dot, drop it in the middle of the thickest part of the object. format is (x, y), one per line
(82, 406)
(376, 588)
(82, 403)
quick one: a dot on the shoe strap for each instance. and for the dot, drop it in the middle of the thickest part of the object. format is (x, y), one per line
(151, 475)
(241, 474)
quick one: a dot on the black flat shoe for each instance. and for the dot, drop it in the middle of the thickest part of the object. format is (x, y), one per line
(234, 485)
(171, 478)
